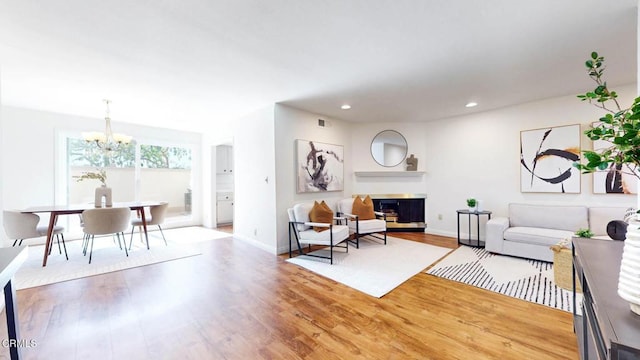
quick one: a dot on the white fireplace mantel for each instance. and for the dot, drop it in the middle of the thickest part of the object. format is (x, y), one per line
(389, 173)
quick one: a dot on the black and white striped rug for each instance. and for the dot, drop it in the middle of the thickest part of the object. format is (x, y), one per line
(525, 279)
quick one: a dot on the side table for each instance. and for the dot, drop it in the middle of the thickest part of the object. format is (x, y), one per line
(477, 214)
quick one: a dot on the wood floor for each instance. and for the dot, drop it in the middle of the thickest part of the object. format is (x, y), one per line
(236, 301)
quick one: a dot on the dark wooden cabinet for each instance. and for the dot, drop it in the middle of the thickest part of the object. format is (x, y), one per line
(607, 329)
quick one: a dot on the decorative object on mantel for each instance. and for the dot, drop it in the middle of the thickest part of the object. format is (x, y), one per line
(103, 194)
(472, 203)
(547, 156)
(412, 163)
(320, 166)
(619, 126)
(107, 141)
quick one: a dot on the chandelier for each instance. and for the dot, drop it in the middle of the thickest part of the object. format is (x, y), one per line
(107, 141)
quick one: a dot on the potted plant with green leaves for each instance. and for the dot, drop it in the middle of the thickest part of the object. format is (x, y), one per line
(472, 203)
(620, 126)
(584, 233)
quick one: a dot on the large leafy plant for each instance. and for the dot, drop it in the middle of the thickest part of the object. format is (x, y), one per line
(619, 126)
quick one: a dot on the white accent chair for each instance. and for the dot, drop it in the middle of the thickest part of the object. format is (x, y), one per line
(20, 226)
(158, 213)
(105, 221)
(375, 228)
(301, 229)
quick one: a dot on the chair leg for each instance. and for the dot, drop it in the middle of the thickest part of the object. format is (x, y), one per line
(125, 243)
(133, 228)
(58, 240)
(85, 244)
(91, 250)
(163, 238)
(64, 246)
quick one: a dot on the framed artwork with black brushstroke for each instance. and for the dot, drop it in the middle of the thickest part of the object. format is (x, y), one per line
(546, 160)
(320, 166)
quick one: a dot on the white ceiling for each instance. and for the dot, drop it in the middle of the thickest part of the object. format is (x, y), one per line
(189, 64)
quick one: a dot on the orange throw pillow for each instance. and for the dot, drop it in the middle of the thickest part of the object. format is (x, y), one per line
(364, 209)
(321, 213)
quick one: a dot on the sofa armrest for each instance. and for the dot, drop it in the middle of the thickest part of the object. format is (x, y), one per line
(495, 234)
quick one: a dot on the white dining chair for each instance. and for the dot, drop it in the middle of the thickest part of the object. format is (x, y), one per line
(105, 221)
(158, 213)
(20, 226)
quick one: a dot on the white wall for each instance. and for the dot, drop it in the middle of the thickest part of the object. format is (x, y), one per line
(255, 179)
(292, 124)
(478, 156)
(28, 153)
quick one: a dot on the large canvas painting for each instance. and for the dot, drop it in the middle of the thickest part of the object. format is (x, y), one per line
(320, 166)
(546, 159)
(616, 179)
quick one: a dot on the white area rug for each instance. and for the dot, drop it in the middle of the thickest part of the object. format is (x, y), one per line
(530, 280)
(107, 256)
(374, 268)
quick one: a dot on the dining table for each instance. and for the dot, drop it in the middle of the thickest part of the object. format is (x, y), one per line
(57, 210)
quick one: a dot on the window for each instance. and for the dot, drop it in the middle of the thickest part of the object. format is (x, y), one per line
(141, 171)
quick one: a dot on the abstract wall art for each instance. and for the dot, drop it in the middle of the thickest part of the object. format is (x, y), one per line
(320, 166)
(546, 159)
(617, 179)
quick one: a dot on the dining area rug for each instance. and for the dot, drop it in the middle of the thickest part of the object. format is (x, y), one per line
(374, 269)
(108, 257)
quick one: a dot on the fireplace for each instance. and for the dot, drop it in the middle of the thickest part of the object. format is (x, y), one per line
(405, 212)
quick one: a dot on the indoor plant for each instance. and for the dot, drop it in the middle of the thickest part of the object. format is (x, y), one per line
(585, 233)
(471, 203)
(619, 126)
(100, 175)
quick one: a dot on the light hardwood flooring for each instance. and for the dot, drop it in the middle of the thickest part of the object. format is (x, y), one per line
(236, 301)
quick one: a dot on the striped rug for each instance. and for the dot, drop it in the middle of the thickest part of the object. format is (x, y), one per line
(530, 280)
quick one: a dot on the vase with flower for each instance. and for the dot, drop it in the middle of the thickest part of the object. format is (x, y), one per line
(103, 194)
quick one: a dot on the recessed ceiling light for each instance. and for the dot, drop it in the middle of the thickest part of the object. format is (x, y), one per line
(345, 107)
(471, 104)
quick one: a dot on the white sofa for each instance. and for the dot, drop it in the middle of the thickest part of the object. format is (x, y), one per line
(529, 230)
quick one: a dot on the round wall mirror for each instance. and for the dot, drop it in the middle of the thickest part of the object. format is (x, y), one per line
(389, 148)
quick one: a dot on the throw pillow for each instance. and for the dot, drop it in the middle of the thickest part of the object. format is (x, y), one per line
(321, 213)
(364, 209)
(617, 229)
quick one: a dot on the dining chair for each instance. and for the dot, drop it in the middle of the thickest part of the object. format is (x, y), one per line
(105, 221)
(20, 226)
(158, 213)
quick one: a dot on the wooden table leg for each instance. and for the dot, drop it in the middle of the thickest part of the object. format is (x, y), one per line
(144, 226)
(52, 222)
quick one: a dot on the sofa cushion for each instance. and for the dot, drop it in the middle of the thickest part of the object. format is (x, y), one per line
(559, 217)
(538, 236)
(600, 216)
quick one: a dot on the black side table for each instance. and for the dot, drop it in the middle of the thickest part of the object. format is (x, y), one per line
(477, 214)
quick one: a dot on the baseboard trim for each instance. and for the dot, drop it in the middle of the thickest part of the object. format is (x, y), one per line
(256, 243)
